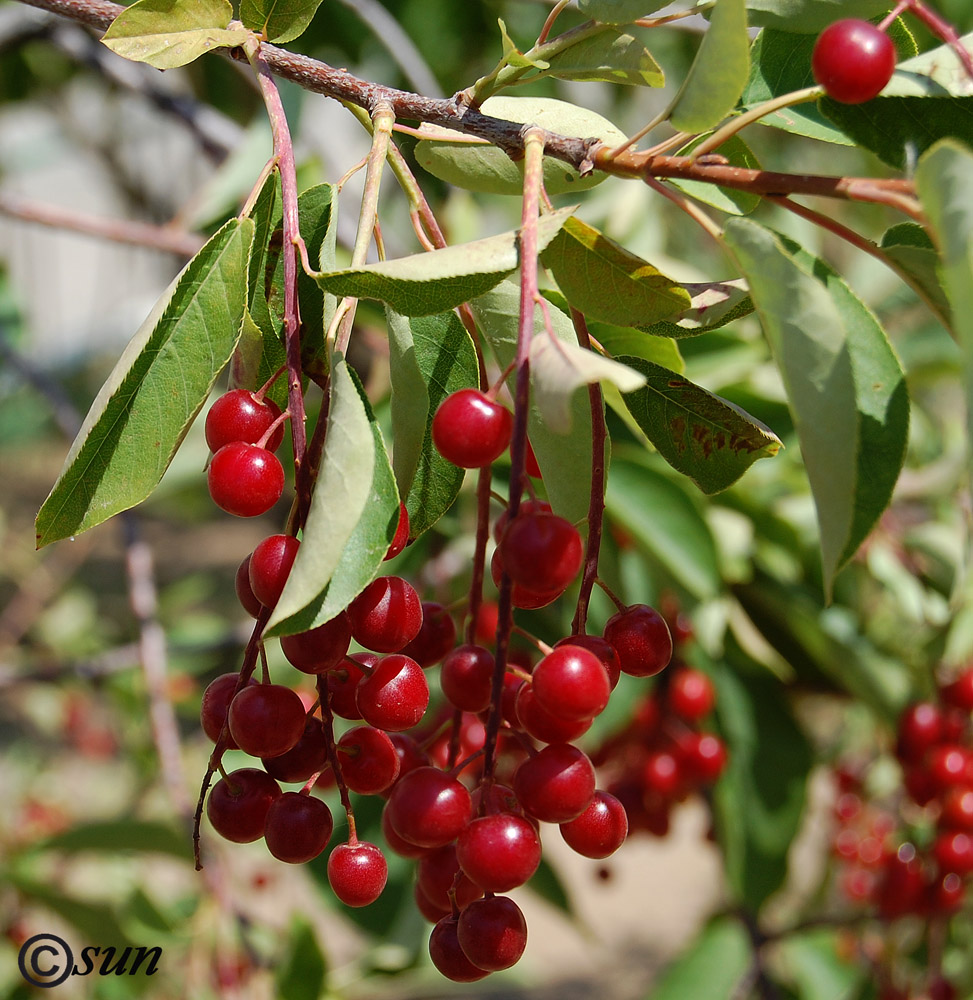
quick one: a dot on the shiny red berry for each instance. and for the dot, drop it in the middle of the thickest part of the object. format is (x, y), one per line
(541, 552)
(238, 415)
(245, 480)
(600, 830)
(238, 804)
(266, 719)
(298, 827)
(395, 694)
(471, 430)
(429, 807)
(357, 873)
(270, 565)
(571, 683)
(499, 852)
(492, 933)
(557, 784)
(319, 649)
(447, 955)
(853, 60)
(641, 638)
(386, 615)
(401, 537)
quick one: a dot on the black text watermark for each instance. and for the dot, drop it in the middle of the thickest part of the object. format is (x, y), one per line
(46, 960)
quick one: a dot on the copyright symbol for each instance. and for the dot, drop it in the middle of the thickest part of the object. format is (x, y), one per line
(45, 960)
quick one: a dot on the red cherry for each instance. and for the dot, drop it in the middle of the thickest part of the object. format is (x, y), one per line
(215, 704)
(853, 60)
(438, 872)
(238, 804)
(954, 852)
(959, 692)
(492, 933)
(948, 765)
(471, 430)
(436, 637)
(541, 552)
(245, 480)
(920, 728)
(641, 638)
(466, 677)
(307, 757)
(957, 811)
(901, 886)
(530, 463)
(557, 784)
(409, 753)
(520, 596)
(691, 695)
(357, 873)
(600, 830)
(343, 683)
(447, 955)
(319, 649)
(395, 695)
(369, 763)
(386, 615)
(531, 506)
(662, 775)
(244, 591)
(429, 807)
(571, 683)
(238, 415)
(499, 852)
(266, 719)
(601, 648)
(544, 725)
(704, 756)
(270, 565)
(298, 827)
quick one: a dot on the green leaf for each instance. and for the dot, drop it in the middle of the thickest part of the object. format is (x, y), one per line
(696, 432)
(125, 834)
(433, 282)
(610, 57)
(738, 154)
(152, 396)
(945, 184)
(618, 11)
(810, 16)
(711, 967)
(712, 305)
(662, 519)
(430, 358)
(170, 33)
(482, 167)
(936, 73)
(549, 886)
(560, 456)
(278, 21)
(512, 56)
(760, 798)
(605, 281)
(844, 385)
(813, 960)
(319, 229)
(909, 248)
(342, 490)
(301, 975)
(719, 72)
(558, 369)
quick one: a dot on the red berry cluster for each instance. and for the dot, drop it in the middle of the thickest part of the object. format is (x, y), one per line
(468, 786)
(914, 856)
(662, 756)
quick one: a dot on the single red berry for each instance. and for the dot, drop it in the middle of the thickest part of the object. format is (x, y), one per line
(662, 775)
(920, 728)
(238, 415)
(395, 695)
(957, 813)
(244, 591)
(409, 753)
(466, 677)
(691, 695)
(954, 852)
(571, 683)
(487, 618)
(357, 873)
(641, 638)
(369, 763)
(542, 552)
(386, 615)
(959, 692)
(396, 844)
(401, 537)
(343, 683)
(557, 784)
(948, 765)
(447, 955)
(270, 565)
(321, 648)
(602, 649)
(544, 725)
(600, 830)
(853, 60)
(429, 807)
(703, 755)
(216, 703)
(298, 827)
(900, 888)
(520, 596)
(531, 506)
(438, 872)
(499, 852)
(492, 933)
(238, 804)
(471, 430)
(266, 719)
(307, 757)
(245, 480)
(436, 636)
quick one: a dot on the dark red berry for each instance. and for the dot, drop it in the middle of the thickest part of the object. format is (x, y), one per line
(438, 872)
(306, 758)
(662, 775)
(426, 907)
(395, 695)
(410, 754)
(556, 785)
(959, 692)
(357, 873)
(429, 807)
(544, 725)
(270, 565)
(319, 649)
(386, 615)
(436, 636)
(238, 415)
(245, 480)
(531, 506)
(901, 885)
(471, 430)
(266, 719)
(601, 648)
(571, 683)
(957, 813)
(954, 852)
(298, 827)
(401, 537)
(541, 552)
(499, 852)
(600, 830)
(703, 755)
(447, 955)
(238, 804)
(404, 848)
(947, 765)
(641, 638)
(492, 933)
(215, 704)
(343, 683)
(244, 591)
(520, 596)
(369, 763)
(466, 677)
(690, 694)
(920, 728)
(853, 60)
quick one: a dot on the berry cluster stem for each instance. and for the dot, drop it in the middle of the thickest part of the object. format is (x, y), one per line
(327, 721)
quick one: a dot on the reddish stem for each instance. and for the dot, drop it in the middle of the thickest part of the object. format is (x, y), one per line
(327, 721)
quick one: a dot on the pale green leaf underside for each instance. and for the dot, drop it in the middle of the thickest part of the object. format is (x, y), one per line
(609, 57)
(433, 282)
(602, 279)
(342, 490)
(696, 432)
(159, 384)
(937, 73)
(844, 384)
(618, 11)
(171, 33)
(278, 20)
(811, 16)
(719, 71)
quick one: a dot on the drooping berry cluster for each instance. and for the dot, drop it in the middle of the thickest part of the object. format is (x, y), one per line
(911, 855)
